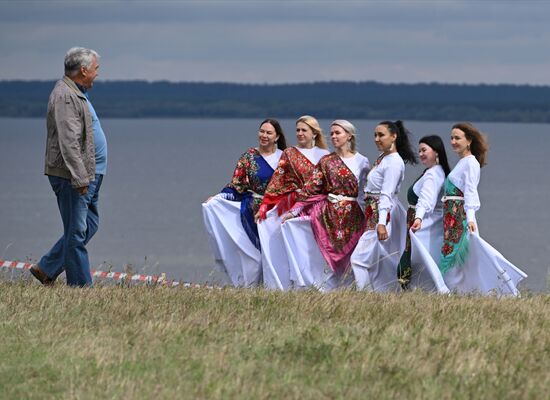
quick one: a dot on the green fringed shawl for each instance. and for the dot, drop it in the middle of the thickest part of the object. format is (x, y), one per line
(455, 227)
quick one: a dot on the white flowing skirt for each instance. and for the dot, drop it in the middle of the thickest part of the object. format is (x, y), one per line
(308, 268)
(233, 251)
(485, 271)
(374, 262)
(426, 246)
(274, 257)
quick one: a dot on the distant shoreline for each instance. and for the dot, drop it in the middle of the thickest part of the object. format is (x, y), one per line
(352, 100)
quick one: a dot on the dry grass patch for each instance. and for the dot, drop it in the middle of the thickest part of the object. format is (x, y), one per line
(146, 342)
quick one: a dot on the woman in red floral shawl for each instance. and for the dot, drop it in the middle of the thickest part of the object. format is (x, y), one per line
(328, 205)
(295, 166)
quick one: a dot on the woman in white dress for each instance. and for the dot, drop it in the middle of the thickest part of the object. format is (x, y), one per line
(468, 263)
(377, 254)
(424, 217)
(322, 229)
(229, 215)
(295, 167)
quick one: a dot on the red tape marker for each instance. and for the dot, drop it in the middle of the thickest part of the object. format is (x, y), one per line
(119, 276)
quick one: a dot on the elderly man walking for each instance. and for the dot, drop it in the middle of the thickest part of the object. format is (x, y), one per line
(76, 161)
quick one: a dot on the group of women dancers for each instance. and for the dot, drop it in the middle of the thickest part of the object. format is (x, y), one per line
(302, 217)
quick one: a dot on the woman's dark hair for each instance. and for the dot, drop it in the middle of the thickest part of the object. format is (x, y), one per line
(281, 142)
(402, 143)
(436, 143)
(479, 146)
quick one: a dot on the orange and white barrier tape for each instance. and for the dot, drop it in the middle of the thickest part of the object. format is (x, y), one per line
(15, 265)
(119, 276)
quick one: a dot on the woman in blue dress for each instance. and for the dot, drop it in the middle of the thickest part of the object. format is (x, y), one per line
(229, 215)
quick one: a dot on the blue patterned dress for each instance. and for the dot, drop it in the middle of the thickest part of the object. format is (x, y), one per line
(250, 179)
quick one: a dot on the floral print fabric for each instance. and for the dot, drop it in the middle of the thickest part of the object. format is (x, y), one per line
(455, 238)
(371, 212)
(251, 175)
(404, 268)
(337, 225)
(290, 176)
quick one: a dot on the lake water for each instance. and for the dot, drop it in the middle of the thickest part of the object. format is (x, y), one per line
(161, 170)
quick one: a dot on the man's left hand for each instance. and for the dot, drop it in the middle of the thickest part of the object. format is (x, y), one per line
(82, 190)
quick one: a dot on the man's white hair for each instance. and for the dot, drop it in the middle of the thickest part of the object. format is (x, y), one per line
(78, 57)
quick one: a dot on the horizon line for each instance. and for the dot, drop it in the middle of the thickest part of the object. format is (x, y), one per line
(316, 82)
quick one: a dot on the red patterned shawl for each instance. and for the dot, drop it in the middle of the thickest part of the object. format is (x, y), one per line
(290, 176)
(337, 226)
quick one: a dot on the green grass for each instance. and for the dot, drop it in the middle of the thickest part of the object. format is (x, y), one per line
(157, 342)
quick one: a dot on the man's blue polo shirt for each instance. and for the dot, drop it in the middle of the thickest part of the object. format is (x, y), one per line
(99, 138)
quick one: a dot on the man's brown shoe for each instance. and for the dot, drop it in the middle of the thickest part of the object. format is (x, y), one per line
(41, 276)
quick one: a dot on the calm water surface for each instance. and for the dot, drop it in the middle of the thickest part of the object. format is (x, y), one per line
(161, 170)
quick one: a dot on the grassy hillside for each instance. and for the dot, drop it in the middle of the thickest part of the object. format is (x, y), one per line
(157, 342)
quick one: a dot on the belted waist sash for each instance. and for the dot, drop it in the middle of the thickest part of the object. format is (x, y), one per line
(335, 198)
(447, 198)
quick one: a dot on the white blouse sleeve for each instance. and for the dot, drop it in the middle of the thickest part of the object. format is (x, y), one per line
(471, 197)
(432, 182)
(392, 178)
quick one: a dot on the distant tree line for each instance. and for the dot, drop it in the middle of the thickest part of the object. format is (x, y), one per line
(353, 100)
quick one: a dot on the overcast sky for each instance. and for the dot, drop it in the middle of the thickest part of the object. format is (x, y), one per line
(257, 41)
